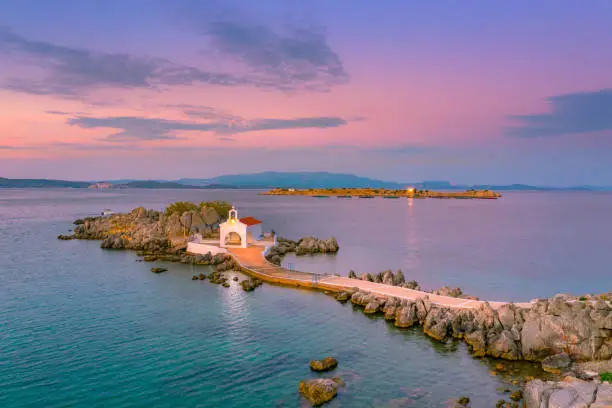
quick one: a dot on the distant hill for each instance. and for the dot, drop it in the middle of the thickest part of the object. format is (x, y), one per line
(300, 180)
(271, 179)
(168, 185)
(41, 183)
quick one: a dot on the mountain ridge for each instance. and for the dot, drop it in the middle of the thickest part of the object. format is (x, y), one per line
(271, 179)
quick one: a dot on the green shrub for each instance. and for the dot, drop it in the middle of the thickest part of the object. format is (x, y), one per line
(180, 207)
(605, 377)
(221, 207)
(582, 298)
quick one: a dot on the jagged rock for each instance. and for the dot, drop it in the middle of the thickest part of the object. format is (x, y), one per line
(569, 393)
(343, 296)
(390, 309)
(63, 237)
(249, 285)
(312, 245)
(448, 291)
(202, 276)
(158, 270)
(373, 306)
(225, 285)
(438, 324)
(328, 363)
(557, 363)
(318, 391)
(194, 277)
(406, 315)
(387, 277)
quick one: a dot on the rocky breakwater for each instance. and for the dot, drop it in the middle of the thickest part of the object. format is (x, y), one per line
(397, 279)
(303, 246)
(581, 329)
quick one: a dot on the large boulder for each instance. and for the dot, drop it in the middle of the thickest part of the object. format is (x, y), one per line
(569, 393)
(209, 216)
(387, 277)
(406, 315)
(318, 391)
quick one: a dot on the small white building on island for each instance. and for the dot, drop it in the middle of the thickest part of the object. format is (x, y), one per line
(235, 232)
(239, 232)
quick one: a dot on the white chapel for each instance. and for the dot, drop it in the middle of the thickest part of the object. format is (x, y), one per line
(239, 232)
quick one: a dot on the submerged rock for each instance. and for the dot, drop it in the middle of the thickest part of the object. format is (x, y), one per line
(158, 270)
(557, 363)
(318, 391)
(249, 285)
(328, 363)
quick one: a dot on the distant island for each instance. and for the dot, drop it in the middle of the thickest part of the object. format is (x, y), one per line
(384, 193)
(287, 180)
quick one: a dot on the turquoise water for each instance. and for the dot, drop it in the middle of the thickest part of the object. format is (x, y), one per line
(85, 327)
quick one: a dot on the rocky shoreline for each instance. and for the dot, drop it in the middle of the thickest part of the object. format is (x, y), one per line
(303, 246)
(581, 330)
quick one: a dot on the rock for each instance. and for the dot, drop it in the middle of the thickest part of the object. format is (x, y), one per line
(374, 306)
(463, 401)
(343, 296)
(390, 308)
(414, 285)
(318, 391)
(158, 270)
(557, 363)
(194, 277)
(387, 277)
(225, 285)
(312, 245)
(437, 324)
(202, 276)
(448, 291)
(570, 393)
(516, 395)
(352, 274)
(63, 237)
(249, 285)
(328, 363)
(235, 279)
(406, 315)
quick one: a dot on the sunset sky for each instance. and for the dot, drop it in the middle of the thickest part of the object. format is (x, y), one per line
(465, 91)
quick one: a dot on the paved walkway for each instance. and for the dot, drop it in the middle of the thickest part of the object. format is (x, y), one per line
(253, 260)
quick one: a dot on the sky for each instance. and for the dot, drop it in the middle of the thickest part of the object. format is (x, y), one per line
(466, 91)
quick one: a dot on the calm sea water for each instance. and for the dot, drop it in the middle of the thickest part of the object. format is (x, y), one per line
(81, 326)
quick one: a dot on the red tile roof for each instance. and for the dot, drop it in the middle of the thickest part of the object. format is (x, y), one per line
(250, 221)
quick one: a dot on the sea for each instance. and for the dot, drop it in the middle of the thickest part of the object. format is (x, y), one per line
(85, 327)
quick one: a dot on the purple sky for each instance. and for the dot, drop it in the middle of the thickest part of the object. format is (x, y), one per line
(470, 92)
